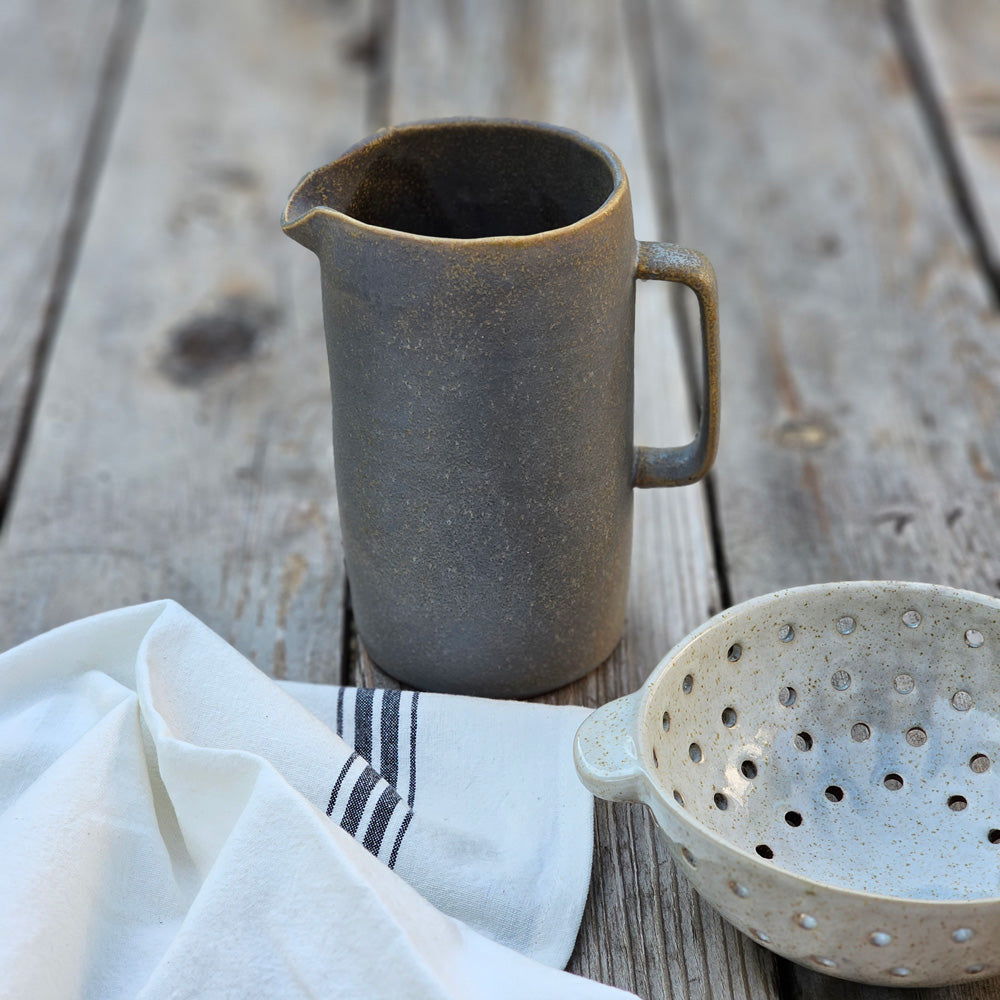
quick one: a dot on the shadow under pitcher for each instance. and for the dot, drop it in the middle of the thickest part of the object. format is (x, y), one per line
(478, 297)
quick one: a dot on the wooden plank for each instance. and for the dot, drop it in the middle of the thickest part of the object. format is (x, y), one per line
(863, 360)
(58, 60)
(960, 49)
(570, 63)
(183, 445)
(862, 375)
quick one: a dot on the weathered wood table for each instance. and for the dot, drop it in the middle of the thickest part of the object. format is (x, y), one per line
(164, 409)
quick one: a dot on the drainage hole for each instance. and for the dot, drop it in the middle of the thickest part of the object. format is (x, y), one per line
(973, 638)
(786, 633)
(961, 701)
(956, 803)
(860, 732)
(979, 763)
(689, 857)
(787, 696)
(893, 782)
(749, 769)
(803, 741)
(721, 802)
(694, 752)
(834, 793)
(687, 684)
(841, 680)
(666, 722)
(734, 653)
(656, 760)
(678, 798)
(793, 818)
(904, 683)
(729, 717)
(993, 836)
(916, 736)
(764, 851)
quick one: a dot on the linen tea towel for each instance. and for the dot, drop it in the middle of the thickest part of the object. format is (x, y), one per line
(164, 831)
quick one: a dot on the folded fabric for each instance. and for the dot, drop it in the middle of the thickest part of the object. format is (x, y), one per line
(173, 823)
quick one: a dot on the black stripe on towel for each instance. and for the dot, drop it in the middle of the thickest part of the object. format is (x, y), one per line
(413, 759)
(340, 712)
(377, 825)
(389, 736)
(399, 839)
(363, 705)
(340, 780)
(359, 799)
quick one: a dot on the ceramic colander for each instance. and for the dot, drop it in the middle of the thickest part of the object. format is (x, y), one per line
(824, 763)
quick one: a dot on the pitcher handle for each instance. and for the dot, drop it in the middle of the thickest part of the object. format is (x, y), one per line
(688, 463)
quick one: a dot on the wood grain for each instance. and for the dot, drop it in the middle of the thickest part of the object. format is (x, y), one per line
(862, 362)
(960, 45)
(572, 64)
(182, 446)
(57, 62)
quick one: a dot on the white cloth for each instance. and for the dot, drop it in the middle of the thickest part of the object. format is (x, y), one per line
(173, 823)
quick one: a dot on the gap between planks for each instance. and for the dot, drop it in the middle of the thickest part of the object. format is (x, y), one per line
(114, 72)
(941, 131)
(652, 112)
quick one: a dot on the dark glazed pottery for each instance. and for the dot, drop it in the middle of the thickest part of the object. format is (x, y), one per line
(478, 294)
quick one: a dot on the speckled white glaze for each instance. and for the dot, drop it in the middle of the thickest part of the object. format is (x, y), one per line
(851, 731)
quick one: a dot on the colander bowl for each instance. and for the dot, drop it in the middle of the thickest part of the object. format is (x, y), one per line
(824, 763)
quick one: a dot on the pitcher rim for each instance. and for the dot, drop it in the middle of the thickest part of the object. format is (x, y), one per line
(618, 191)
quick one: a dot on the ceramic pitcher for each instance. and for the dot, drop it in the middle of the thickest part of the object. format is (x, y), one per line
(478, 285)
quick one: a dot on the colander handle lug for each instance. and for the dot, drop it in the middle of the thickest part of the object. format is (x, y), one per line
(605, 752)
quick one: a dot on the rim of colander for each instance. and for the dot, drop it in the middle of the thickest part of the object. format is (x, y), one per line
(644, 693)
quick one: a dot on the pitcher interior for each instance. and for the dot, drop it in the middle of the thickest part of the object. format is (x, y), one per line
(469, 180)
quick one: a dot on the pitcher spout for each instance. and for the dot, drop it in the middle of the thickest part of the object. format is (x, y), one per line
(303, 217)
(349, 190)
